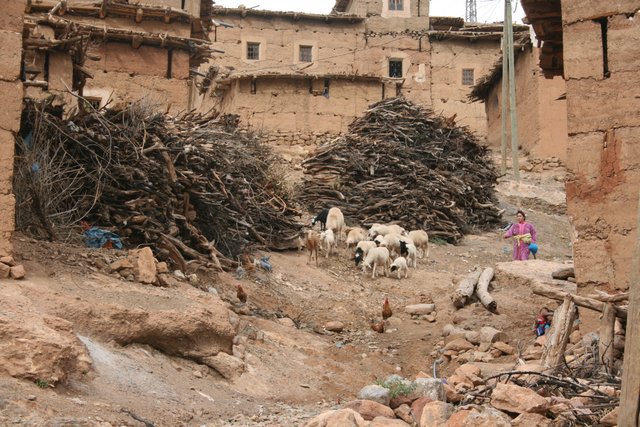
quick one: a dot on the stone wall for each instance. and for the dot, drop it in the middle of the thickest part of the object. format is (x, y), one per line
(542, 111)
(603, 102)
(11, 93)
(449, 95)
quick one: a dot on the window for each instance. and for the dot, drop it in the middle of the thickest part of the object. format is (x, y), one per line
(92, 102)
(254, 87)
(306, 54)
(396, 5)
(467, 76)
(253, 51)
(395, 68)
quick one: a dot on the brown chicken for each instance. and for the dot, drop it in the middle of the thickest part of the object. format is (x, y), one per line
(241, 294)
(378, 326)
(386, 309)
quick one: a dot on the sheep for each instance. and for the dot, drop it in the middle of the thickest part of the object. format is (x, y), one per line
(392, 241)
(409, 251)
(362, 249)
(328, 240)
(376, 257)
(312, 242)
(355, 235)
(384, 229)
(321, 218)
(421, 240)
(335, 222)
(400, 265)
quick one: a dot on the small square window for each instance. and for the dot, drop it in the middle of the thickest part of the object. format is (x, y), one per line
(395, 68)
(253, 51)
(396, 5)
(92, 102)
(306, 54)
(467, 77)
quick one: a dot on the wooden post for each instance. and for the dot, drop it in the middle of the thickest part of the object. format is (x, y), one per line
(465, 289)
(512, 93)
(558, 335)
(593, 304)
(630, 398)
(482, 290)
(606, 336)
(503, 118)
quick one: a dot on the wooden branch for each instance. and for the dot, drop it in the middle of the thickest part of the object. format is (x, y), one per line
(550, 292)
(606, 334)
(558, 335)
(482, 290)
(465, 288)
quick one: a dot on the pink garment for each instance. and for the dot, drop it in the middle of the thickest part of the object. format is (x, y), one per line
(520, 248)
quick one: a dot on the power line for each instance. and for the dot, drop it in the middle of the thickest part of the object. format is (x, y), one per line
(471, 13)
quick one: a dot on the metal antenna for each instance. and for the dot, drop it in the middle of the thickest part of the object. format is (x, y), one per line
(471, 14)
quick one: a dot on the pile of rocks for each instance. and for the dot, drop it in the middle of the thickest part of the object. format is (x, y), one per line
(534, 164)
(9, 268)
(462, 345)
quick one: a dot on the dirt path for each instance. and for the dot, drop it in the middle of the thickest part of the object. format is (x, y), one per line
(296, 369)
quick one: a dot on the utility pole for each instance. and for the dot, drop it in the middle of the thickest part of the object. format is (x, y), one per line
(508, 58)
(503, 116)
(471, 14)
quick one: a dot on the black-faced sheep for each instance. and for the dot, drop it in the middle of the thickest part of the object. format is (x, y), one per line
(409, 251)
(400, 266)
(362, 249)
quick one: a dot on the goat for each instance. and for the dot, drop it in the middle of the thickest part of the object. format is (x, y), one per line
(321, 218)
(400, 265)
(376, 257)
(328, 240)
(421, 240)
(312, 242)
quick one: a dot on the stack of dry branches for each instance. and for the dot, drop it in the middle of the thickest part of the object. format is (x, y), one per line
(402, 163)
(193, 189)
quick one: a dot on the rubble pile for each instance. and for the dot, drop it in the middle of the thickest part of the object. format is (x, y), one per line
(193, 189)
(400, 162)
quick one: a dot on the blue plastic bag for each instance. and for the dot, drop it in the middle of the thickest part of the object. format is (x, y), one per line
(95, 237)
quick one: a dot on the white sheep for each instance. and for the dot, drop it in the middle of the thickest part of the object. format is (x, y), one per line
(421, 240)
(362, 249)
(355, 235)
(328, 240)
(400, 265)
(335, 222)
(392, 242)
(376, 257)
(384, 229)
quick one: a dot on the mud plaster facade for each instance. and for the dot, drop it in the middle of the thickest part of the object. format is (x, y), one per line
(351, 51)
(11, 94)
(601, 55)
(541, 106)
(135, 52)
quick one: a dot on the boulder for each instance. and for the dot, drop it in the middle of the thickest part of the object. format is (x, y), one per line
(404, 413)
(435, 414)
(431, 388)
(611, 419)
(503, 347)
(369, 409)
(17, 272)
(531, 420)
(516, 399)
(144, 265)
(459, 344)
(387, 422)
(491, 335)
(419, 309)
(342, 417)
(230, 367)
(375, 393)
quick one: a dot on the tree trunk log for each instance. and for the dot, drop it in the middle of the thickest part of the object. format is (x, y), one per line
(482, 290)
(465, 288)
(549, 292)
(558, 335)
(563, 273)
(606, 334)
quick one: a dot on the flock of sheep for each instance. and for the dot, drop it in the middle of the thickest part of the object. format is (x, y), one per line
(373, 248)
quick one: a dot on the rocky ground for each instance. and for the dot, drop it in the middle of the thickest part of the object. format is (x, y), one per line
(84, 345)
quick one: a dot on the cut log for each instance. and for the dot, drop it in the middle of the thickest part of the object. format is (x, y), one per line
(465, 288)
(563, 273)
(490, 335)
(558, 335)
(606, 333)
(549, 292)
(482, 290)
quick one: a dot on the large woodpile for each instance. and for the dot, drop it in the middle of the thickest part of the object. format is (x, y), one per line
(191, 188)
(400, 162)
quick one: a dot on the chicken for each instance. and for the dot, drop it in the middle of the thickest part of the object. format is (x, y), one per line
(378, 327)
(241, 294)
(386, 309)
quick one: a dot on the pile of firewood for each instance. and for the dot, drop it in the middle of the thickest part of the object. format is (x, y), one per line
(400, 162)
(191, 188)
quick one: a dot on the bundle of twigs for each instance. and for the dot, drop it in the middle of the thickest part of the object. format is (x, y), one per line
(191, 188)
(400, 162)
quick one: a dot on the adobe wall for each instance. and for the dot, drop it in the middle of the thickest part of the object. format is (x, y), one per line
(11, 93)
(286, 105)
(604, 137)
(448, 94)
(414, 16)
(542, 117)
